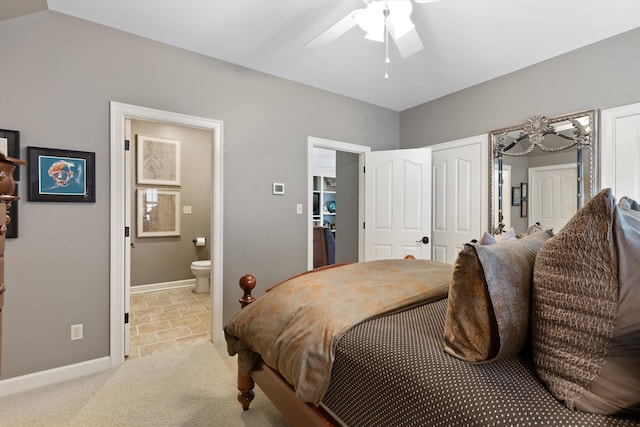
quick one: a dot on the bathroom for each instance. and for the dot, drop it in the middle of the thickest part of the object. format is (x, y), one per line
(169, 305)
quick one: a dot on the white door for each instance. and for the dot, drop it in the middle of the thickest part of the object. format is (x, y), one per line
(460, 195)
(553, 195)
(398, 204)
(621, 150)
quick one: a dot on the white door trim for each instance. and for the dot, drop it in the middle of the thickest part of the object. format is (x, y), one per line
(119, 112)
(338, 146)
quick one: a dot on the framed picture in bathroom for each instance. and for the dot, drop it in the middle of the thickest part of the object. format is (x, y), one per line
(158, 160)
(56, 175)
(158, 212)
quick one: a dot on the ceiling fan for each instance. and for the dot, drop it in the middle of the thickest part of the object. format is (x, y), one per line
(379, 19)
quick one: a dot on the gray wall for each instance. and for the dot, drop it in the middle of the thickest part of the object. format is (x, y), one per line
(57, 77)
(602, 75)
(167, 259)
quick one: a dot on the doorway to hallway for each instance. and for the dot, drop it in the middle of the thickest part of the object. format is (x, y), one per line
(349, 162)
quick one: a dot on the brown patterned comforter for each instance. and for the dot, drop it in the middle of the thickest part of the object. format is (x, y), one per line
(295, 326)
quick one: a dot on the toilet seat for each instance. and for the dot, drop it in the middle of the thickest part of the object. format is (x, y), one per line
(201, 264)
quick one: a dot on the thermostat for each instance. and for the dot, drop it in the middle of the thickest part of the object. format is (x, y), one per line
(278, 188)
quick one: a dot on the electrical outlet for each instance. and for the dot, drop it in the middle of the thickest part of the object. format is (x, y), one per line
(76, 332)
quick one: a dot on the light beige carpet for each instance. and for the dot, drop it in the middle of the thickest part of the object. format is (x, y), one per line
(191, 386)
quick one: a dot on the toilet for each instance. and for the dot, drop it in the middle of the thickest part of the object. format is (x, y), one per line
(202, 271)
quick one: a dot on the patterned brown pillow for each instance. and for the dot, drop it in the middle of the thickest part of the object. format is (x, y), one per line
(586, 310)
(488, 309)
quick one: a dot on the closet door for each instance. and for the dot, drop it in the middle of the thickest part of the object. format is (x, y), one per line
(460, 195)
(398, 204)
(620, 138)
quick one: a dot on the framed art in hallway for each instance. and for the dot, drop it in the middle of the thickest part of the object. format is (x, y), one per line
(57, 175)
(158, 212)
(158, 161)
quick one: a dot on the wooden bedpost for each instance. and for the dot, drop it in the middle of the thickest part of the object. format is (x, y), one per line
(247, 283)
(245, 382)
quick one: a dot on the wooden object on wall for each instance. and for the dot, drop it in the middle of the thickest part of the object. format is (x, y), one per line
(7, 188)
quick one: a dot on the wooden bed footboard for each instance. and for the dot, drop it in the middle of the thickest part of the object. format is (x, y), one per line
(274, 386)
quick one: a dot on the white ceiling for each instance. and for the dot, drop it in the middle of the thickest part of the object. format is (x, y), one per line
(466, 41)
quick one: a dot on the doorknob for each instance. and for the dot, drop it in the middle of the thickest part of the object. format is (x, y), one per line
(424, 240)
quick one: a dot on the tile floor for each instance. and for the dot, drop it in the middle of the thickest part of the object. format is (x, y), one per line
(168, 319)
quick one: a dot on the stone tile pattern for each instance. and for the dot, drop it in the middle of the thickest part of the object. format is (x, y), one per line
(167, 319)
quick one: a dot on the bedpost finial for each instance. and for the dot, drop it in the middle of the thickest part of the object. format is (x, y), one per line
(247, 283)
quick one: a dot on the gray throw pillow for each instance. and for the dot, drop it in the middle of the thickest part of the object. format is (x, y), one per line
(488, 308)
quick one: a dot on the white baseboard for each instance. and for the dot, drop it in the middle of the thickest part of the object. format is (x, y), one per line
(77, 370)
(163, 286)
(53, 376)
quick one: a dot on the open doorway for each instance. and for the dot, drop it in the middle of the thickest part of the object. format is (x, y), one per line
(169, 307)
(345, 163)
(120, 237)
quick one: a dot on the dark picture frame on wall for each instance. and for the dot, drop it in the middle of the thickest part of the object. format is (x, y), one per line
(57, 175)
(515, 196)
(13, 147)
(524, 195)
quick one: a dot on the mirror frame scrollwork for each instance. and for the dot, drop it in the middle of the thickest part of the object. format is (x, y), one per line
(583, 135)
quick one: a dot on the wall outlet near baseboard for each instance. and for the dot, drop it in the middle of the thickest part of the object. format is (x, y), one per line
(76, 332)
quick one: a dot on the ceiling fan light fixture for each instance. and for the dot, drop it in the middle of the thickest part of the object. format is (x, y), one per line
(371, 18)
(399, 17)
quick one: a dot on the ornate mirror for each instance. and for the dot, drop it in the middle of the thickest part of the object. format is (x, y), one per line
(542, 171)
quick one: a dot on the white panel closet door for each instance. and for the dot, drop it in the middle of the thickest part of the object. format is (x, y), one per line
(460, 205)
(397, 204)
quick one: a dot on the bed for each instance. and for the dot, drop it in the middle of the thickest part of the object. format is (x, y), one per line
(415, 343)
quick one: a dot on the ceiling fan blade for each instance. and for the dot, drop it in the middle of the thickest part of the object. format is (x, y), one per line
(408, 44)
(336, 30)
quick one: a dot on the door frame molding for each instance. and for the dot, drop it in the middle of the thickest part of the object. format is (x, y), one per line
(338, 146)
(118, 113)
